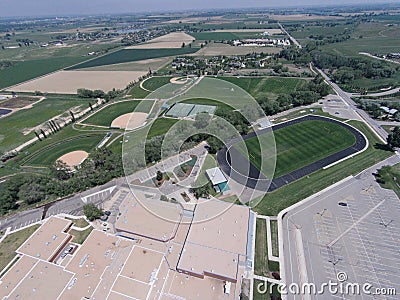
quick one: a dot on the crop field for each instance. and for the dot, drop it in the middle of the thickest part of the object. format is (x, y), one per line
(105, 116)
(261, 86)
(170, 40)
(153, 64)
(299, 145)
(233, 34)
(156, 82)
(129, 55)
(27, 70)
(68, 82)
(215, 36)
(18, 127)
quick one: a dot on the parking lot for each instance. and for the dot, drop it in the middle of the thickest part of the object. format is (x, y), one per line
(353, 229)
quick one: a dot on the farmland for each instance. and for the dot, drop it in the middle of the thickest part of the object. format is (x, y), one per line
(299, 145)
(27, 70)
(130, 55)
(68, 82)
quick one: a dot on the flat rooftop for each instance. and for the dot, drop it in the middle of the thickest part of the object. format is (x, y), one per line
(216, 176)
(44, 281)
(143, 218)
(47, 240)
(216, 240)
(99, 252)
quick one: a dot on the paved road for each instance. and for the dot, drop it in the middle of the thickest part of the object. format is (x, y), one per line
(72, 205)
(364, 116)
(360, 239)
(240, 169)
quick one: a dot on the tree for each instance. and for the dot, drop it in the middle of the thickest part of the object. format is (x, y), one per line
(202, 120)
(31, 193)
(393, 139)
(159, 176)
(92, 212)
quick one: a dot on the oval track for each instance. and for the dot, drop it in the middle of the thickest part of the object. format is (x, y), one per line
(254, 179)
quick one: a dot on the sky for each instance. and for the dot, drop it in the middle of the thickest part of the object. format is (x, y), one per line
(10, 8)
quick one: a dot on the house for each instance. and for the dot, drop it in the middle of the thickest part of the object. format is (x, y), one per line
(218, 180)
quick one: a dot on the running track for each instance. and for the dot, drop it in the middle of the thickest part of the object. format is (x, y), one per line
(231, 160)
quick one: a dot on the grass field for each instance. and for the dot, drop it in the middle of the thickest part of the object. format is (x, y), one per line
(160, 127)
(80, 236)
(215, 36)
(81, 223)
(105, 116)
(209, 162)
(14, 126)
(299, 145)
(26, 70)
(261, 86)
(48, 155)
(203, 101)
(261, 254)
(137, 92)
(274, 237)
(274, 202)
(129, 55)
(12, 243)
(156, 82)
(390, 176)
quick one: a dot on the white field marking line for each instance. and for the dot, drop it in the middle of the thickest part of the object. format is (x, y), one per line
(359, 236)
(23, 278)
(280, 224)
(301, 260)
(356, 223)
(142, 87)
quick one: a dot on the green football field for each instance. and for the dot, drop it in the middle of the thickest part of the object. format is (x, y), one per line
(298, 145)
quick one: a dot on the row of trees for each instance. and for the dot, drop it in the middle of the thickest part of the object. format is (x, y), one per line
(86, 93)
(27, 189)
(309, 93)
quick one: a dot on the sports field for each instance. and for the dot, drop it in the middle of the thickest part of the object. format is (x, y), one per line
(18, 127)
(105, 116)
(294, 192)
(263, 86)
(48, 155)
(299, 145)
(160, 127)
(129, 55)
(156, 82)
